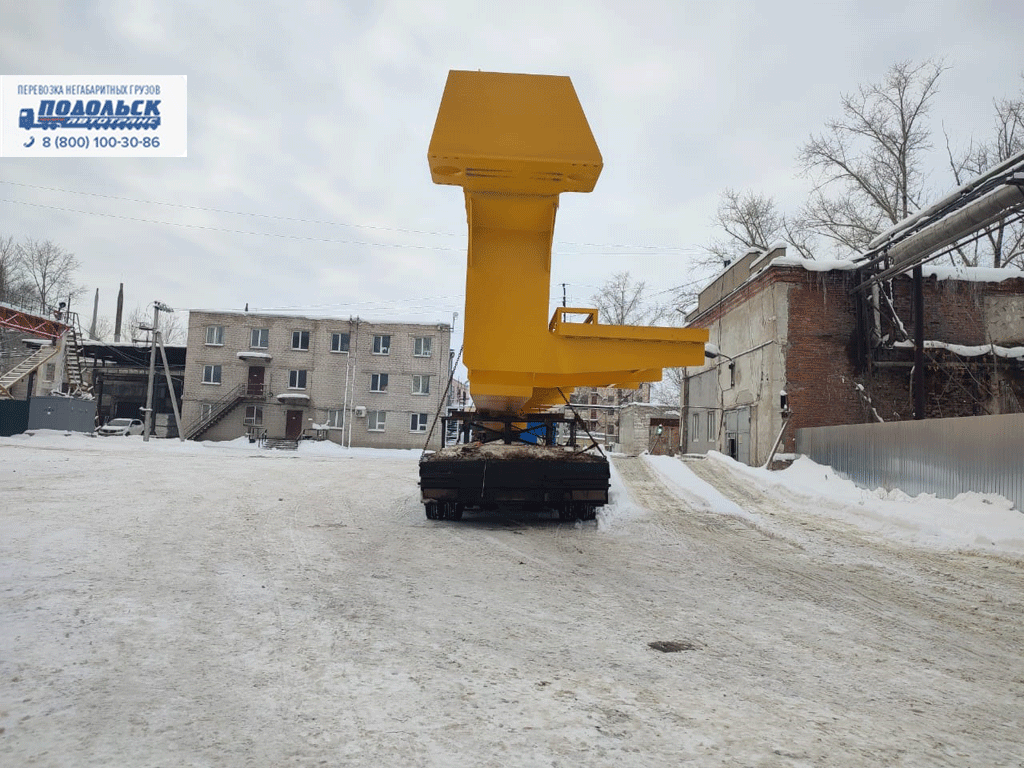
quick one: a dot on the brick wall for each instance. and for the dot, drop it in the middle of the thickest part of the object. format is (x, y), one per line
(825, 385)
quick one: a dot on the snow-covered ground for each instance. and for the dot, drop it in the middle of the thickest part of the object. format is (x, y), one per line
(971, 522)
(184, 604)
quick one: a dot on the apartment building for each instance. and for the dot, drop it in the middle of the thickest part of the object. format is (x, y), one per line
(357, 383)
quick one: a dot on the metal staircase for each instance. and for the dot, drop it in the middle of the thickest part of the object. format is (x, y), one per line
(23, 369)
(243, 393)
(73, 358)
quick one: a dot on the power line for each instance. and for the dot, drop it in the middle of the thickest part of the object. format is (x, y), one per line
(300, 220)
(231, 231)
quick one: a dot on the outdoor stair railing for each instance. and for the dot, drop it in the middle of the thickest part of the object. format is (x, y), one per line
(240, 394)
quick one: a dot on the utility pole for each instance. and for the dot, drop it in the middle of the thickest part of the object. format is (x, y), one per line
(152, 373)
(158, 306)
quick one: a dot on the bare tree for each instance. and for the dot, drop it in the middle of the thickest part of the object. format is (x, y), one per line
(104, 329)
(1002, 244)
(867, 164)
(623, 301)
(49, 271)
(14, 289)
(168, 323)
(752, 220)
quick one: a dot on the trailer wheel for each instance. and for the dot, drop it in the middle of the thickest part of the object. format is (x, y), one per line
(431, 508)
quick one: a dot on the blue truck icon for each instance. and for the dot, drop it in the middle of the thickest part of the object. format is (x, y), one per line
(26, 119)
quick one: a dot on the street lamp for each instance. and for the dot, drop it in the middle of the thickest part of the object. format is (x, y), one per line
(711, 351)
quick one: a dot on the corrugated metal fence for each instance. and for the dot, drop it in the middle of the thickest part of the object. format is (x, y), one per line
(941, 456)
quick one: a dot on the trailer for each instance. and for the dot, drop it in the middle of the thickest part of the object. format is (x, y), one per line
(514, 143)
(509, 465)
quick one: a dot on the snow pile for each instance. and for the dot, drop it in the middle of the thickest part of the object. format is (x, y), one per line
(970, 522)
(621, 507)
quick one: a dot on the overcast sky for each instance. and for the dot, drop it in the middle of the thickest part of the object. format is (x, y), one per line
(306, 184)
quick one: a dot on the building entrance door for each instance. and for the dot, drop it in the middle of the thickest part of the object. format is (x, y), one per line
(256, 378)
(737, 434)
(293, 425)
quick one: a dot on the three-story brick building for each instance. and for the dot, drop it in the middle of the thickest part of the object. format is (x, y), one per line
(354, 382)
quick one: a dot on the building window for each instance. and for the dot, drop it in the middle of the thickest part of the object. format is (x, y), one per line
(215, 335)
(297, 379)
(211, 374)
(418, 423)
(695, 437)
(253, 415)
(420, 385)
(382, 345)
(50, 372)
(339, 342)
(259, 338)
(732, 374)
(421, 346)
(205, 411)
(300, 339)
(334, 418)
(379, 382)
(375, 421)
(712, 426)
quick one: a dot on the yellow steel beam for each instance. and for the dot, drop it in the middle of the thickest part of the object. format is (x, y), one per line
(514, 143)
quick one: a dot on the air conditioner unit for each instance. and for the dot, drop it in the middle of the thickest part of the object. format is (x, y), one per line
(360, 411)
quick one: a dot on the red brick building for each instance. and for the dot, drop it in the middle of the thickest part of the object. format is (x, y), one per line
(800, 349)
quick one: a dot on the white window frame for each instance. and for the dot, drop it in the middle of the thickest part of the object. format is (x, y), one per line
(298, 378)
(422, 346)
(712, 425)
(297, 339)
(376, 421)
(336, 337)
(215, 335)
(335, 417)
(49, 371)
(263, 335)
(254, 420)
(695, 428)
(420, 384)
(379, 382)
(382, 344)
(212, 374)
(418, 422)
(205, 411)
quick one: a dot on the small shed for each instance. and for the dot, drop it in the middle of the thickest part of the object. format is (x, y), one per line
(649, 428)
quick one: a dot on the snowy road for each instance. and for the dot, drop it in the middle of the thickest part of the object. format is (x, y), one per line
(188, 606)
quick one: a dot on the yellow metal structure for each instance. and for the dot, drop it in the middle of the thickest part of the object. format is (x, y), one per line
(514, 143)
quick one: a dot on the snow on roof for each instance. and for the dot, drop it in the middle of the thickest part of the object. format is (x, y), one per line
(813, 265)
(260, 355)
(292, 396)
(340, 317)
(965, 274)
(1012, 353)
(972, 274)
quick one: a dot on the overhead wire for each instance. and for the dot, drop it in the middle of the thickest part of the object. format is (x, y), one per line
(300, 220)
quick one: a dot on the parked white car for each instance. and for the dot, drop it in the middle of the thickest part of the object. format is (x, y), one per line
(121, 427)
